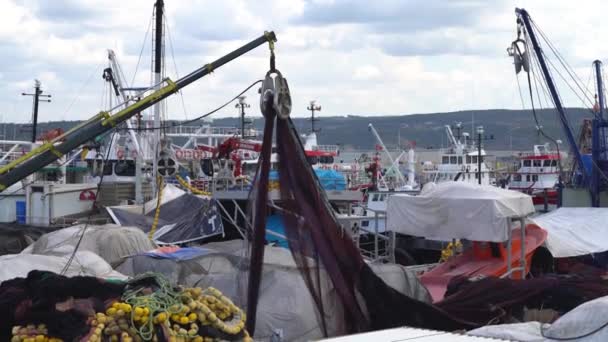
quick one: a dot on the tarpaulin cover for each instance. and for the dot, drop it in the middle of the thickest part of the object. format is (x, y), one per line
(329, 179)
(177, 253)
(457, 210)
(85, 263)
(111, 242)
(183, 218)
(275, 224)
(285, 305)
(586, 323)
(575, 231)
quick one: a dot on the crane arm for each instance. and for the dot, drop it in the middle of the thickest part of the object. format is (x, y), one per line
(375, 133)
(451, 137)
(116, 76)
(104, 121)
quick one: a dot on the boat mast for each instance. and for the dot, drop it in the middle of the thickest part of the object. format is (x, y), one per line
(159, 7)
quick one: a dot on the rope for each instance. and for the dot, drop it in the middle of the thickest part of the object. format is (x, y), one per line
(207, 307)
(192, 189)
(157, 211)
(164, 299)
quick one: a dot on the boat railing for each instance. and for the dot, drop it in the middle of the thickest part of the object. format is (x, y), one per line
(209, 131)
(327, 148)
(382, 245)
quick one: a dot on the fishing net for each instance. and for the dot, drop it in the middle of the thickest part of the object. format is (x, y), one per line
(35, 298)
(319, 246)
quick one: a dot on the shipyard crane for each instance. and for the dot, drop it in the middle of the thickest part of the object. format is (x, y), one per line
(115, 76)
(103, 122)
(523, 59)
(377, 136)
(451, 138)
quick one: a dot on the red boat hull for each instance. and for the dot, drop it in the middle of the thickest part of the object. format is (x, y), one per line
(478, 261)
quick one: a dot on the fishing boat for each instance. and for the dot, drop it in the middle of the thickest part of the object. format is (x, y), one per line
(538, 175)
(489, 219)
(461, 162)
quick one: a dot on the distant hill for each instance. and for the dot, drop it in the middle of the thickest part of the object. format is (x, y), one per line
(514, 128)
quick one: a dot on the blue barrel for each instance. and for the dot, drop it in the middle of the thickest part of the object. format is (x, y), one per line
(20, 213)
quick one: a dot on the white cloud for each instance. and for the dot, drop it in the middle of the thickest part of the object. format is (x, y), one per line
(356, 57)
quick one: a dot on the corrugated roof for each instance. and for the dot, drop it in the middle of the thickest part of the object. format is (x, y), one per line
(411, 334)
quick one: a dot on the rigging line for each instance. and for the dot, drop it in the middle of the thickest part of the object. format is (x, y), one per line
(181, 94)
(542, 132)
(143, 46)
(563, 62)
(204, 115)
(521, 96)
(556, 52)
(86, 224)
(81, 89)
(570, 86)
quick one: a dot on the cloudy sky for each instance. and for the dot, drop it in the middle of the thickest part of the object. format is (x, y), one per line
(383, 57)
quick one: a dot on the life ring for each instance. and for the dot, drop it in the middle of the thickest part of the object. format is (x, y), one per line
(120, 154)
(198, 154)
(179, 154)
(336, 167)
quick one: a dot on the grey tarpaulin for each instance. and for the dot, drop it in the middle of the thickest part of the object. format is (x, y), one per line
(182, 219)
(285, 305)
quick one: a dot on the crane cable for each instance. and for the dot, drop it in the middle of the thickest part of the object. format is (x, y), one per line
(204, 115)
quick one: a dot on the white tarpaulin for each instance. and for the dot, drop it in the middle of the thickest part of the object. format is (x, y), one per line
(586, 323)
(575, 231)
(85, 263)
(457, 210)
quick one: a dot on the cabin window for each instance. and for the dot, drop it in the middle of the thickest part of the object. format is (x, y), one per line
(536, 163)
(445, 160)
(546, 162)
(125, 168)
(527, 163)
(326, 160)
(375, 198)
(460, 160)
(474, 159)
(453, 160)
(468, 159)
(107, 168)
(527, 178)
(312, 160)
(535, 178)
(517, 178)
(476, 175)
(554, 163)
(365, 223)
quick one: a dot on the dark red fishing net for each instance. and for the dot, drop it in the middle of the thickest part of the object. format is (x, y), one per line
(318, 245)
(64, 304)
